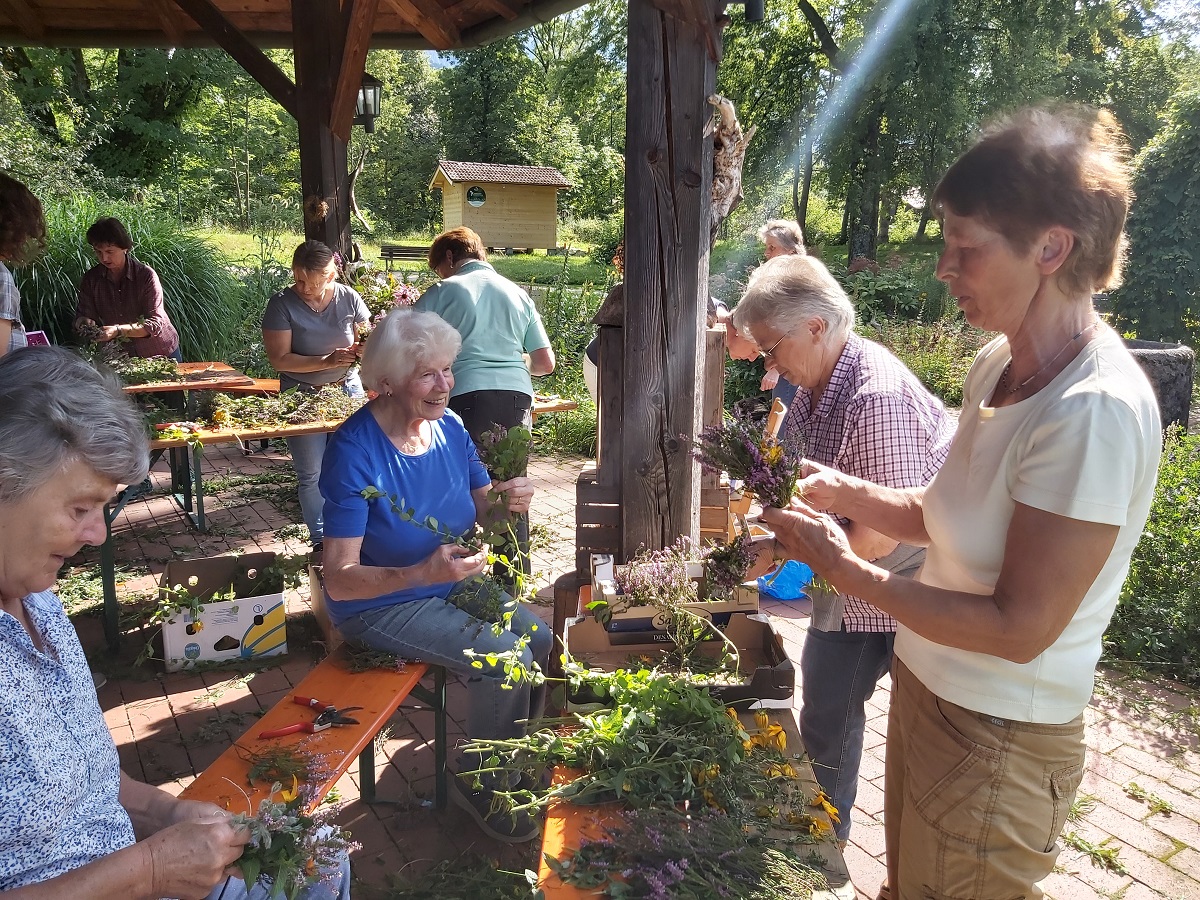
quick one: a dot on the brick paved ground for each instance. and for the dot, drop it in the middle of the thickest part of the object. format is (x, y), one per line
(167, 728)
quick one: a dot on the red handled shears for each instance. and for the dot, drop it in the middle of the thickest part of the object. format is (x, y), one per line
(329, 716)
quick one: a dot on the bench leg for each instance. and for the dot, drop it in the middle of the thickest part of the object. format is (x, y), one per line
(366, 773)
(436, 700)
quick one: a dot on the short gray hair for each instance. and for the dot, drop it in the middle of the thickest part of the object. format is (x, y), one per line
(787, 291)
(56, 408)
(786, 232)
(405, 341)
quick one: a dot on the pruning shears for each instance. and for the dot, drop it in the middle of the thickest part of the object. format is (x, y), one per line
(328, 716)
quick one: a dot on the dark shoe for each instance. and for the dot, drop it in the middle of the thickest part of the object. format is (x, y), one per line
(145, 486)
(491, 813)
(318, 546)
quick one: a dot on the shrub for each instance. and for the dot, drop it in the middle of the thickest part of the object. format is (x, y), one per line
(896, 291)
(939, 354)
(202, 296)
(1158, 616)
(1160, 298)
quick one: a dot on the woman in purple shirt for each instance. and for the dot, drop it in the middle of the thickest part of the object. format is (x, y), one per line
(122, 297)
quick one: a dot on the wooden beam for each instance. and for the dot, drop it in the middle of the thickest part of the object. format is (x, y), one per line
(508, 9)
(430, 20)
(237, 45)
(668, 181)
(27, 20)
(170, 19)
(360, 25)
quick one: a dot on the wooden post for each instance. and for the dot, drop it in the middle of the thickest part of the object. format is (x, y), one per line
(319, 31)
(668, 179)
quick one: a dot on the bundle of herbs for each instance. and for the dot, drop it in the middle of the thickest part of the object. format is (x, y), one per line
(768, 467)
(291, 850)
(329, 403)
(131, 369)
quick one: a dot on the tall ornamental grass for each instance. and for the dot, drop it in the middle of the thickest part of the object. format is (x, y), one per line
(202, 296)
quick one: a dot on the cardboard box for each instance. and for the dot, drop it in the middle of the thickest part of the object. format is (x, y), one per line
(769, 677)
(316, 597)
(254, 624)
(641, 621)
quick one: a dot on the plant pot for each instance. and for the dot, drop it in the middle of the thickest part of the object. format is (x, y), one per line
(1170, 370)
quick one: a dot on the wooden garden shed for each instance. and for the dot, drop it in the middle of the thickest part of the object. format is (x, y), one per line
(507, 206)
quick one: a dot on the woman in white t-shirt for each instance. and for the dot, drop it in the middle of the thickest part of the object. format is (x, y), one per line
(1030, 524)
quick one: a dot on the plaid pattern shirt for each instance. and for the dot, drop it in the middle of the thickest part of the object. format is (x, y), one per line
(10, 309)
(876, 421)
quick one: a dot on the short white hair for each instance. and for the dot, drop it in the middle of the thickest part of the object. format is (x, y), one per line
(787, 291)
(404, 342)
(786, 232)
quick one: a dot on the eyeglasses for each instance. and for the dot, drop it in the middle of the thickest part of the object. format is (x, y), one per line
(771, 352)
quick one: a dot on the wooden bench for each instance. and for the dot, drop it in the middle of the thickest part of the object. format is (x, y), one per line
(389, 253)
(379, 691)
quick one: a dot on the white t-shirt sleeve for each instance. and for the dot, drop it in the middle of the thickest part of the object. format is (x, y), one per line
(1082, 459)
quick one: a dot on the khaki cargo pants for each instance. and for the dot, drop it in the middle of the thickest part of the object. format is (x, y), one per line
(973, 804)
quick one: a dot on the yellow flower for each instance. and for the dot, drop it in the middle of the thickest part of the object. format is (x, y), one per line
(293, 793)
(772, 453)
(821, 801)
(775, 737)
(761, 719)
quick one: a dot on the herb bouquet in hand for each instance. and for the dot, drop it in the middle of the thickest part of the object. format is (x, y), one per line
(290, 850)
(768, 467)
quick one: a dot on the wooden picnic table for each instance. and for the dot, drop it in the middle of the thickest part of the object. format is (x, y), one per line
(568, 825)
(197, 376)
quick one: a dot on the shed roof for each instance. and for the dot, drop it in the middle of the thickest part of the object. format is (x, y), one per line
(499, 173)
(398, 24)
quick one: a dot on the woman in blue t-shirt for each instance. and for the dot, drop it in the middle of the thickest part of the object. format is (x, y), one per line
(398, 586)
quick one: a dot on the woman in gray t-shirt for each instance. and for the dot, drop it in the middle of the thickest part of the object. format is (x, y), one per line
(310, 335)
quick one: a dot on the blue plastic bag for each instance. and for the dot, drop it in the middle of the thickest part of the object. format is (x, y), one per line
(787, 582)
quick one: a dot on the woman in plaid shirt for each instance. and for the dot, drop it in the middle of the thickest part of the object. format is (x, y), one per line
(860, 410)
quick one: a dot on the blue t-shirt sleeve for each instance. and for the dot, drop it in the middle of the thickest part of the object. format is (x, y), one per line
(344, 475)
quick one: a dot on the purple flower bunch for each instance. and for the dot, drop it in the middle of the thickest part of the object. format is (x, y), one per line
(726, 565)
(659, 577)
(768, 467)
(290, 850)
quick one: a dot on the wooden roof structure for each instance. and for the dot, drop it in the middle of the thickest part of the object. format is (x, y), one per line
(398, 24)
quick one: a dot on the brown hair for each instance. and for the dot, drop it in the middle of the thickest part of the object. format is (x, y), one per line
(22, 222)
(1046, 166)
(312, 256)
(109, 231)
(462, 242)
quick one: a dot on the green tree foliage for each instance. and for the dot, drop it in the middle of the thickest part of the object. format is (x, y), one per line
(490, 95)
(1160, 298)
(393, 189)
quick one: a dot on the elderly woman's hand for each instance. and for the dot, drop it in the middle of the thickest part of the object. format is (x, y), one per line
(452, 563)
(517, 493)
(189, 859)
(810, 537)
(819, 485)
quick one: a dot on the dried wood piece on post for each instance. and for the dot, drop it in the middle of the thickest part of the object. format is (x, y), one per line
(729, 152)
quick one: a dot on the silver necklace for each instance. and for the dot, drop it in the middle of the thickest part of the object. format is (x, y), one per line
(1009, 391)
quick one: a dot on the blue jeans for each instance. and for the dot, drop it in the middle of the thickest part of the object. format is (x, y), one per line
(839, 671)
(437, 631)
(336, 888)
(307, 451)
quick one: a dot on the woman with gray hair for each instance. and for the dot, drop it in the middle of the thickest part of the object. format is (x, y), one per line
(859, 410)
(72, 819)
(781, 237)
(396, 585)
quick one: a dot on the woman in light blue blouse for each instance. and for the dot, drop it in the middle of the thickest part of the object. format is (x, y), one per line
(70, 819)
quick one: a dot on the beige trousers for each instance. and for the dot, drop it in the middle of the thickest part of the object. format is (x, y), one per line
(973, 804)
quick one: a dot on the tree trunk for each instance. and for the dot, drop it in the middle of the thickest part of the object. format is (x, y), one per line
(806, 192)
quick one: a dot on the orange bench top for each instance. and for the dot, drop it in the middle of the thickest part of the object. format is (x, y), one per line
(379, 691)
